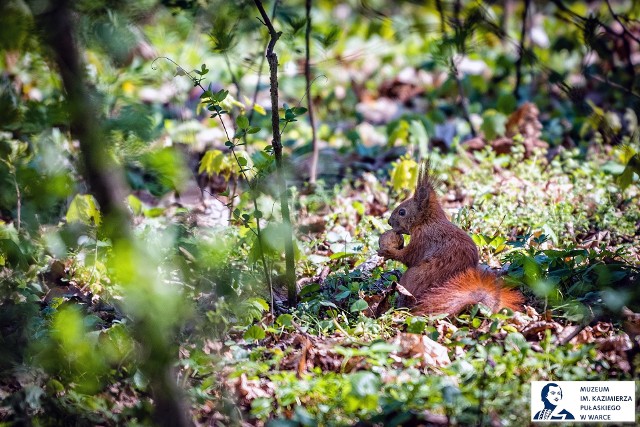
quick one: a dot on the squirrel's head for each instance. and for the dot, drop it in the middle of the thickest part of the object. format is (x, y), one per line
(415, 210)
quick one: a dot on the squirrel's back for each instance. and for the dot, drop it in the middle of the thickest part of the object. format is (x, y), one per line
(466, 289)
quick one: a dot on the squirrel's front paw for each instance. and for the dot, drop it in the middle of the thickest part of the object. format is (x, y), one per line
(384, 253)
(391, 239)
(389, 242)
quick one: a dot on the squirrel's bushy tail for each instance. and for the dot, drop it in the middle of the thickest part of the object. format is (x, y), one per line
(468, 288)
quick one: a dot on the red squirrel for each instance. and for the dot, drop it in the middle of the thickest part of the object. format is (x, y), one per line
(442, 260)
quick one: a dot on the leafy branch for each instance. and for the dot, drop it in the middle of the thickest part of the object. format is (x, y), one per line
(213, 104)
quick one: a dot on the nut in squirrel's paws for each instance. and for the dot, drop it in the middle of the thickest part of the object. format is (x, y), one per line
(391, 240)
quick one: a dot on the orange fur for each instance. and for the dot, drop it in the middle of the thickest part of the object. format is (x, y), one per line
(468, 288)
(442, 260)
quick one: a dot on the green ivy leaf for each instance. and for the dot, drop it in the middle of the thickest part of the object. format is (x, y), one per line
(254, 333)
(285, 320)
(359, 305)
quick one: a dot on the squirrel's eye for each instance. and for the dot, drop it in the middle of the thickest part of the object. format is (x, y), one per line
(402, 212)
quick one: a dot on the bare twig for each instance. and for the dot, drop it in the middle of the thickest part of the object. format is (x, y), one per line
(606, 81)
(624, 28)
(262, 58)
(272, 60)
(627, 46)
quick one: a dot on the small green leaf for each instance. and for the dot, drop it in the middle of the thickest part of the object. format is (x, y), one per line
(260, 109)
(135, 204)
(289, 115)
(479, 240)
(359, 305)
(220, 95)
(285, 320)
(253, 130)
(404, 173)
(83, 209)
(153, 212)
(309, 289)
(342, 295)
(415, 325)
(494, 326)
(259, 303)
(516, 339)
(242, 161)
(298, 111)
(242, 122)
(254, 333)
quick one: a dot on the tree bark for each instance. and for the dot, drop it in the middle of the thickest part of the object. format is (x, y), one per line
(106, 183)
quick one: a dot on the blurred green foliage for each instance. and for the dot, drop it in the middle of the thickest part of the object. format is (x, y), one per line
(87, 324)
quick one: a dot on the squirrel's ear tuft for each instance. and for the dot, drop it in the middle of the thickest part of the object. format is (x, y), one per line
(425, 182)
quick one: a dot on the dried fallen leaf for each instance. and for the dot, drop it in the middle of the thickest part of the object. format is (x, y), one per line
(251, 389)
(402, 290)
(534, 329)
(423, 348)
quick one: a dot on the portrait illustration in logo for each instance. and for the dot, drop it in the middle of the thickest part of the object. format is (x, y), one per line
(551, 396)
